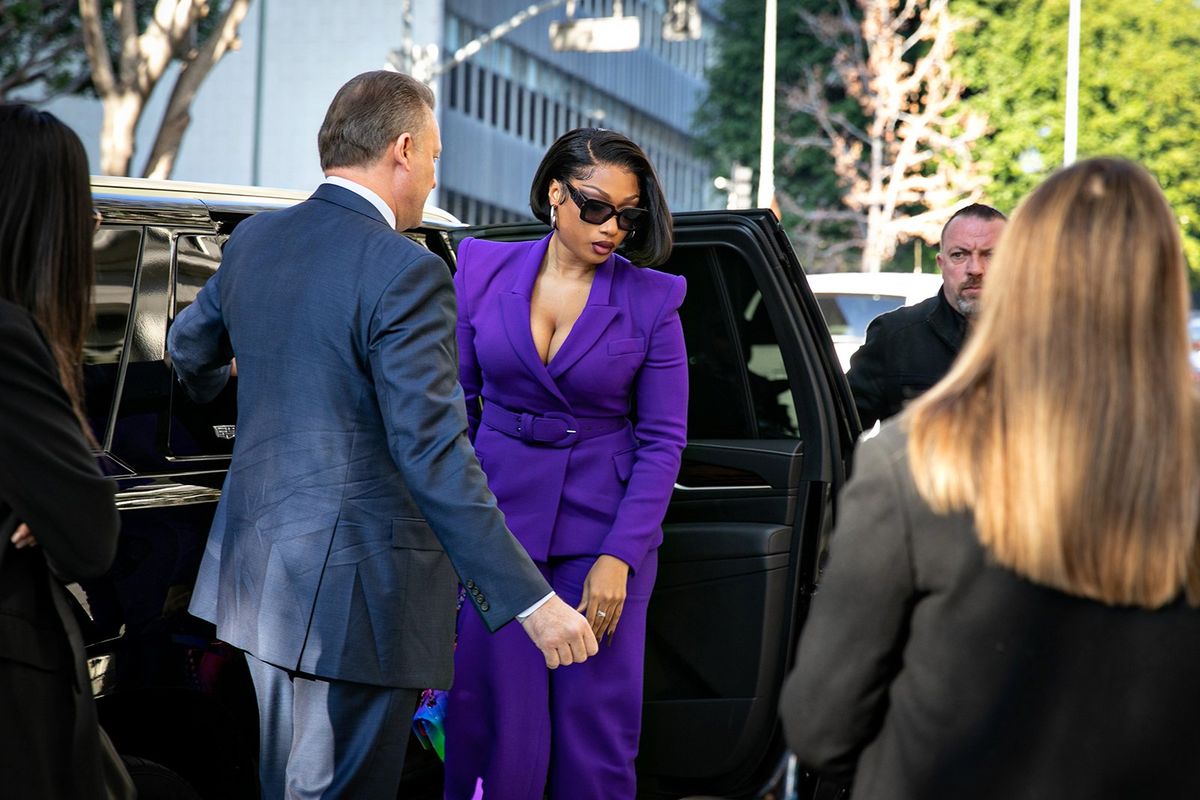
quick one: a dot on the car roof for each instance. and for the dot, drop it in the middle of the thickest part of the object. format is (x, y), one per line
(226, 196)
(903, 284)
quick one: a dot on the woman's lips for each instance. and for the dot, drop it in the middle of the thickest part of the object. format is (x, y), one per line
(602, 248)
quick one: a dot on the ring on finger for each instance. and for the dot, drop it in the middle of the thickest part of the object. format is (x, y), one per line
(601, 614)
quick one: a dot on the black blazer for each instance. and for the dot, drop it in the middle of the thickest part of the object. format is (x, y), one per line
(928, 672)
(48, 479)
(906, 352)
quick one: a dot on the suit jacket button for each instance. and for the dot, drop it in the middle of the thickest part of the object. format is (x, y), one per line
(470, 584)
(484, 606)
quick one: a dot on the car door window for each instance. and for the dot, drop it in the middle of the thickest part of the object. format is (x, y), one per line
(719, 404)
(773, 404)
(199, 430)
(116, 253)
(196, 260)
(736, 371)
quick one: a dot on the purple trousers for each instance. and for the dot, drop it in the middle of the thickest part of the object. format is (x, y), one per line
(517, 729)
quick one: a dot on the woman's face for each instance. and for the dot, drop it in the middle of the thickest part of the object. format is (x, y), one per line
(584, 241)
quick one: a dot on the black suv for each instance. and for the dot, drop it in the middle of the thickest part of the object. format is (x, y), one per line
(771, 428)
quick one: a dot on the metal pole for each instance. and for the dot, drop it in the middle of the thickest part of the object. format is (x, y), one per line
(766, 158)
(259, 66)
(1071, 124)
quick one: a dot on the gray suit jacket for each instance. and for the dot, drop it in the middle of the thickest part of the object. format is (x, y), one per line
(354, 495)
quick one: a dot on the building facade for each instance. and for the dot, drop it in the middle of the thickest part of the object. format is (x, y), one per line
(514, 97)
(256, 117)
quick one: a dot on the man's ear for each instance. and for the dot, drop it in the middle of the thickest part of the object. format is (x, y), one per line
(403, 149)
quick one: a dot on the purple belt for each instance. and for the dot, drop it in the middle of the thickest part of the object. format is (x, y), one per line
(553, 429)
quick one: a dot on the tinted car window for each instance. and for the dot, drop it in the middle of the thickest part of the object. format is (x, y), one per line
(116, 252)
(718, 400)
(199, 429)
(196, 259)
(850, 314)
(737, 376)
(773, 404)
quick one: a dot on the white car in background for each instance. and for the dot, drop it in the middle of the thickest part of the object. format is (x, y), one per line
(850, 300)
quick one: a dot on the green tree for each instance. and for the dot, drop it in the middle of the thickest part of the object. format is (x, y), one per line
(1139, 93)
(39, 50)
(727, 123)
(874, 146)
(910, 163)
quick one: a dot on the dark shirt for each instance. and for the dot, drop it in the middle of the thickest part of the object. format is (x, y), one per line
(906, 352)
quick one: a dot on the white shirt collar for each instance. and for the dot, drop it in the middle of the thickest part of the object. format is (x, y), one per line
(365, 194)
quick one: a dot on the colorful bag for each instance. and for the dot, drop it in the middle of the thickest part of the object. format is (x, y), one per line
(429, 720)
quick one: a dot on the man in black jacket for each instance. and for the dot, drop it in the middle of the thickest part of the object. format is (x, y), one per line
(909, 350)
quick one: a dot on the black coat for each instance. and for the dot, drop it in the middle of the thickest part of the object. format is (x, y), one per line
(49, 745)
(906, 352)
(928, 672)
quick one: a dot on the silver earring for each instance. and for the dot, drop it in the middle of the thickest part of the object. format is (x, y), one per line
(553, 216)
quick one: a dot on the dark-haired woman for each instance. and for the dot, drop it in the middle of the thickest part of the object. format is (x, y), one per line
(575, 374)
(49, 484)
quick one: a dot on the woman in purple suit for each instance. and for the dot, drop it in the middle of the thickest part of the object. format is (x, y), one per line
(575, 373)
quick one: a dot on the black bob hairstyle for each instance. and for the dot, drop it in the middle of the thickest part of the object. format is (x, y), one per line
(576, 154)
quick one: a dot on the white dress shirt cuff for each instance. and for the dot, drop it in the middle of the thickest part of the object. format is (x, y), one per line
(525, 614)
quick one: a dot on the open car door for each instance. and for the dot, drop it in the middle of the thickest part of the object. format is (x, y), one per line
(770, 430)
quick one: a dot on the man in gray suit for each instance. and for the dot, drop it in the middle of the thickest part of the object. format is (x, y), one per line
(353, 497)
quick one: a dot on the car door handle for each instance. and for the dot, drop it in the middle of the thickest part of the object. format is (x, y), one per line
(679, 487)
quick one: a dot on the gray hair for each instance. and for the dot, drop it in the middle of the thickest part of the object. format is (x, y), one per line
(369, 113)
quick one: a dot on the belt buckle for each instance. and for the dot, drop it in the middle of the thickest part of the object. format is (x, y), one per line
(561, 426)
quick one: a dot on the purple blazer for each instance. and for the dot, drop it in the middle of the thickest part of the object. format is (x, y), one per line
(581, 453)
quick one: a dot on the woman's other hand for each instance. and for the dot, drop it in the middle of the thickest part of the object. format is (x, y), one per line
(604, 595)
(23, 537)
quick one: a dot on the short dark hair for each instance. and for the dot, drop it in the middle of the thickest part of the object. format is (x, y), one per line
(46, 224)
(367, 114)
(576, 154)
(975, 211)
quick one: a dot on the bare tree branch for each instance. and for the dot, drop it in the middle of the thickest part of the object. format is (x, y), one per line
(125, 12)
(178, 116)
(96, 47)
(911, 166)
(144, 59)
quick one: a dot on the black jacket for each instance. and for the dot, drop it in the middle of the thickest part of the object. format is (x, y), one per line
(906, 352)
(49, 740)
(928, 672)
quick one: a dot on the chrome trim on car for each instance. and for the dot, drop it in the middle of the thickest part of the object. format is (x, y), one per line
(102, 670)
(679, 487)
(166, 494)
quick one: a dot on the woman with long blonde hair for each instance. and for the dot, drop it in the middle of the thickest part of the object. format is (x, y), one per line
(1010, 608)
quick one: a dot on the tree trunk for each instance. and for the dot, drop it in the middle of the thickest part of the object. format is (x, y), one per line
(117, 131)
(178, 115)
(873, 248)
(872, 257)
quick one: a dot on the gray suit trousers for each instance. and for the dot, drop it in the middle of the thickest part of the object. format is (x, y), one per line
(322, 739)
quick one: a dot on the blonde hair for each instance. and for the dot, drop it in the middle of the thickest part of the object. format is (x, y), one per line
(1068, 423)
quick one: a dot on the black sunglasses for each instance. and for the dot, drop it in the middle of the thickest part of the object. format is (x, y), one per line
(598, 212)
